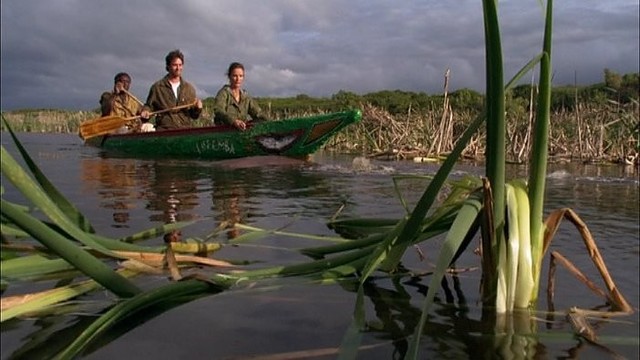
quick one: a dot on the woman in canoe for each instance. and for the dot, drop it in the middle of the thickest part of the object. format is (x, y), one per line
(234, 105)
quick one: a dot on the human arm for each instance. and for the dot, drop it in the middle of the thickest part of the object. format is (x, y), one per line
(106, 103)
(221, 106)
(256, 112)
(196, 110)
(152, 103)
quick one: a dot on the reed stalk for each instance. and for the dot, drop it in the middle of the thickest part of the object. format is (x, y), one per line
(540, 151)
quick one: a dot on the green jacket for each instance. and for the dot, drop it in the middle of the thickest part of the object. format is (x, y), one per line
(227, 109)
(161, 97)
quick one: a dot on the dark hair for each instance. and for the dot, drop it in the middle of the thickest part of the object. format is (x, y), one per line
(233, 66)
(175, 54)
(121, 75)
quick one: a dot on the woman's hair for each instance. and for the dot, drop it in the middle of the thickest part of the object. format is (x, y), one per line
(175, 54)
(233, 66)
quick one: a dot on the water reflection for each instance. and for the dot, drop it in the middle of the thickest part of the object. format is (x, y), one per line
(135, 194)
(51, 335)
(230, 202)
(117, 183)
(454, 330)
(168, 191)
(171, 192)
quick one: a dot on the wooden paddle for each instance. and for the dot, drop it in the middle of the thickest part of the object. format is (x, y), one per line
(106, 124)
(133, 96)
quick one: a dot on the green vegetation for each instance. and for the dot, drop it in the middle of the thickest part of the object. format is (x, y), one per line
(621, 89)
(588, 123)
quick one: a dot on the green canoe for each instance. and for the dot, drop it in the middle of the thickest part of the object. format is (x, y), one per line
(294, 137)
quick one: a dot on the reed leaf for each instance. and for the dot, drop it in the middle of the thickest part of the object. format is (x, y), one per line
(20, 305)
(321, 251)
(353, 337)
(306, 268)
(21, 180)
(265, 232)
(382, 251)
(172, 294)
(525, 280)
(155, 232)
(455, 237)
(69, 251)
(33, 267)
(495, 108)
(9, 230)
(539, 150)
(65, 205)
(509, 255)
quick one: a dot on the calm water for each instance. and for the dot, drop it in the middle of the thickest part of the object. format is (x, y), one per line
(124, 196)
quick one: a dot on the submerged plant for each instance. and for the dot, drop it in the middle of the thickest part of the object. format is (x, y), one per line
(514, 237)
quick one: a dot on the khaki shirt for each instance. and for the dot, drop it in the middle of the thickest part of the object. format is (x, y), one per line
(227, 109)
(161, 97)
(118, 105)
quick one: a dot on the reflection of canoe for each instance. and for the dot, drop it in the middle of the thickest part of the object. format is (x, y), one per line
(288, 137)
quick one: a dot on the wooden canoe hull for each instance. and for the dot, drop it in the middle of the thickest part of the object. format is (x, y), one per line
(295, 137)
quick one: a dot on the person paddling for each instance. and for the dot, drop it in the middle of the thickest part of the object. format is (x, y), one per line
(172, 91)
(119, 102)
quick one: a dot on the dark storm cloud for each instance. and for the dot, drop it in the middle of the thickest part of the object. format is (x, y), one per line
(64, 53)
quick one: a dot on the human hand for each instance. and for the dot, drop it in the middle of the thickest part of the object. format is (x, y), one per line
(118, 87)
(199, 104)
(239, 124)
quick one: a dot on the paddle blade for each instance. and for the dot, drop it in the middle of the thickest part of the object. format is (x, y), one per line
(100, 126)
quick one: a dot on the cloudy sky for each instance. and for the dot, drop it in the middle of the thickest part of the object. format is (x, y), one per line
(63, 53)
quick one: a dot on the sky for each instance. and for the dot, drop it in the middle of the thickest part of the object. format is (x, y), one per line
(62, 54)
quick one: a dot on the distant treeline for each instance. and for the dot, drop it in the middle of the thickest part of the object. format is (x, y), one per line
(592, 123)
(621, 89)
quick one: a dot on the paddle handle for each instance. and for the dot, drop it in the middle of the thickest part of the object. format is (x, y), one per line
(104, 125)
(159, 111)
(180, 107)
(133, 96)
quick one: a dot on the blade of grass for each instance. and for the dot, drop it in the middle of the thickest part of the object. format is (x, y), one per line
(353, 337)
(65, 205)
(495, 125)
(21, 180)
(32, 267)
(456, 236)
(525, 282)
(22, 305)
(69, 251)
(168, 294)
(539, 151)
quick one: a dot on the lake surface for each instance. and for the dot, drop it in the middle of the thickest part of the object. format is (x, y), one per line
(302, 320)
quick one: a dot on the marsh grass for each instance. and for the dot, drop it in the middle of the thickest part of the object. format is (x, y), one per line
(47, 121)
(591, 133)
(588, 133)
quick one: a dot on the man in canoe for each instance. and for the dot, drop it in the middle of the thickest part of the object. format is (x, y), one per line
(171, 92)
(119, 102)
(233, 104)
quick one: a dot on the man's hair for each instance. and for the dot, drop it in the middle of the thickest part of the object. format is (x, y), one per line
(121, 75)
(172, 56)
